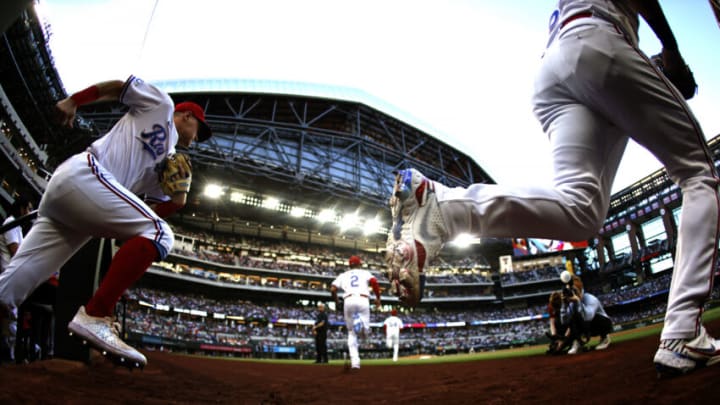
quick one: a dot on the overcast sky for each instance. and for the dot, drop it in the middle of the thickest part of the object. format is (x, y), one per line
(463, 68)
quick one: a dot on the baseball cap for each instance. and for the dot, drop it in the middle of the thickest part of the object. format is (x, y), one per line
(354, 260)
(393, 312)
(204, 131)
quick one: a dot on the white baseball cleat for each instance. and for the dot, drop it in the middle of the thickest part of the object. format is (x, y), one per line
(103, 334)
(417, 234)
(575, 347)
(603, 343)
(680, 356)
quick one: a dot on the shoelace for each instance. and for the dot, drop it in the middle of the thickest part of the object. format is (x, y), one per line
(673, 345)
(113, 325)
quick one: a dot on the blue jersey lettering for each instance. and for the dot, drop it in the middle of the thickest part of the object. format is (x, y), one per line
(553, 20)
(154, 141)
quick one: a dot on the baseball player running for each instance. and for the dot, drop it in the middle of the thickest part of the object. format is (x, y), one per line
(96, 194)
(356, 284)
(392, 326)
(594, 89)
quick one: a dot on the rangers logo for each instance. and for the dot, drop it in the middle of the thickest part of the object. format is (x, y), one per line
(553, 20)
(154, 141)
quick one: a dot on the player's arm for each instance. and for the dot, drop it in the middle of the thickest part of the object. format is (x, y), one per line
(653, 14)
(12, 248)
(376, 289)
(103, 91)
(715, 5)
(169, 207)
(333, 293)
(12, 237)
(178, 200)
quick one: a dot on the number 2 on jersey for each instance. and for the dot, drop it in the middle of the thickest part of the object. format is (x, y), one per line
(354, 280)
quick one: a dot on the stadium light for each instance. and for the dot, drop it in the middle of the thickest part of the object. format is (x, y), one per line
(297, 212)
(349, 221)
(326, 215)
(271, 203)
(213, 191)
(464, 240)
(372, 226)
(237, 197)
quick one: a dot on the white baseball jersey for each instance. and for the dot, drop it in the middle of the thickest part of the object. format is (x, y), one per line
(140, 140)
(594, 90)
(617, 12)
(355, 284)
(94, 193)
(393, 324)
(355, 281)
(11, 236)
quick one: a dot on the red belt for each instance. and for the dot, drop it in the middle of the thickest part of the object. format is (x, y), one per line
(574, 17)
(362, 295)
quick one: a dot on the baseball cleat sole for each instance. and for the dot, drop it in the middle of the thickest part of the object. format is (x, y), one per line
(115, 359)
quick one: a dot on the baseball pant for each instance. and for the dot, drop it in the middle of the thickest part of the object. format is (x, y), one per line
(594, 89)
(82, 200)
(360, 306)
(393, 342)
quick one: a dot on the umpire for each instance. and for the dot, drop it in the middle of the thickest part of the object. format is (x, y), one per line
(320, 331)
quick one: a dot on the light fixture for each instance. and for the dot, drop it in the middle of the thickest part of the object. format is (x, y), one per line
(371, 226)
(271, 203)
(213, 191)
(464, 240)
(237, 197)
(349, 221)
(297, 212)
(326, 215)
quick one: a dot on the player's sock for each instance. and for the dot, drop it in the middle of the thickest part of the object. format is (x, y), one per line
(129, 263)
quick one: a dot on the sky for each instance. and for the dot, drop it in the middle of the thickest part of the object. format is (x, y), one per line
(463, 69)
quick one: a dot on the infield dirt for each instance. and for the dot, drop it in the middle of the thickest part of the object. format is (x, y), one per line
(623, 373)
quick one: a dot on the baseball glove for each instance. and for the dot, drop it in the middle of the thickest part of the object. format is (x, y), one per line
(682, 77)
(176, 174)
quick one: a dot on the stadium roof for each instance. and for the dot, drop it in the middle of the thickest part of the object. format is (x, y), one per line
(229, 85)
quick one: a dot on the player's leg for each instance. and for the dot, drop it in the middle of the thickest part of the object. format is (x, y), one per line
(45, 248)
(353, 349)
(396, 347)
(586, 151)
(350, 310)
(658, 118)
(110, 210)
(90, 200)
(364, 311)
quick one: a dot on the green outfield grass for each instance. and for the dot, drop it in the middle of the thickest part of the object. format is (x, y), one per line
(619, 337)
